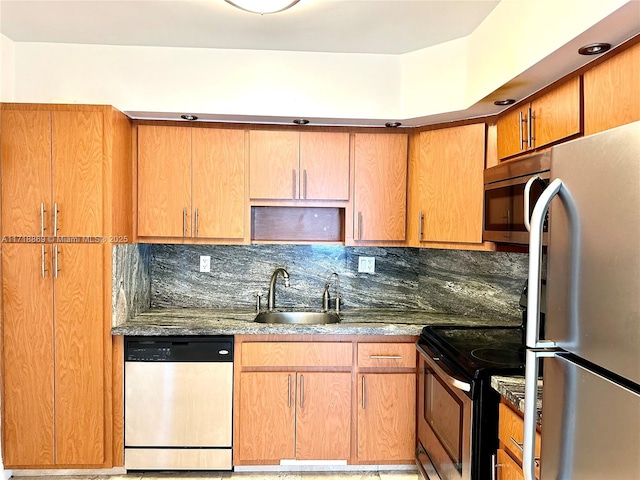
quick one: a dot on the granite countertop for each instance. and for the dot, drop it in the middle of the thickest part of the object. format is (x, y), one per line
(362, 321)
(512, 389)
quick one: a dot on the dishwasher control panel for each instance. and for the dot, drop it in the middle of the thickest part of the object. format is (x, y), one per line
(179, 349)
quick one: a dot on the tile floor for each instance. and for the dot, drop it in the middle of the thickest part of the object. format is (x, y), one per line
(238, 476)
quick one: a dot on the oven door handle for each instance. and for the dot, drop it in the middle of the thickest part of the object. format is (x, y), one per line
(442, 370)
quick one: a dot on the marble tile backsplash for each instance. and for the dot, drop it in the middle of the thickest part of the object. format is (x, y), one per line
(131, 289)
(483, 284)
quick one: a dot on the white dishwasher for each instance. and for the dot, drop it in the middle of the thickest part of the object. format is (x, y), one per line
(178, 403)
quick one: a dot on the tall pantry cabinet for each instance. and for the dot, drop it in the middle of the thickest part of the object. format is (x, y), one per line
(66, 199)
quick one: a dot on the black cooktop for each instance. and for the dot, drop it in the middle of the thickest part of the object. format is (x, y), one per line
(477, 351)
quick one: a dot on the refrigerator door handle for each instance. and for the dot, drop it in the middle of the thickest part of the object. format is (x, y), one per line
(535, 262)
(530, 410)
(527, 196)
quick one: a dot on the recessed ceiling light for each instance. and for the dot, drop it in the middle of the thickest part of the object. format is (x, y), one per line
(263, 6)
(594, 48)
(301, 121)
(392, 124)
(191, 118)
(506, 101)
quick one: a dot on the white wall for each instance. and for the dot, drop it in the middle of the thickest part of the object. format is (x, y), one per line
(7, 68)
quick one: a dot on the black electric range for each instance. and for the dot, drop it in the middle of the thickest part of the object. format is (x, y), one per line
(458, 362)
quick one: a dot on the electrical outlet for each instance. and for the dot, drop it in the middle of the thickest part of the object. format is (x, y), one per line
(205, 263)
(367, 264)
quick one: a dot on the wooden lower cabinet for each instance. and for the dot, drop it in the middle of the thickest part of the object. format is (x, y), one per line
(53, 355)
(307, 416)
(386, 417)
(506, 468)
(300, 397)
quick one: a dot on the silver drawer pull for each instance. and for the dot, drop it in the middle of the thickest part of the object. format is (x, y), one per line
(515, 442)
(385, 357)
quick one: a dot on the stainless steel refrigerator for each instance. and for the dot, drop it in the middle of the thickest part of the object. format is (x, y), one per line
(591, 349)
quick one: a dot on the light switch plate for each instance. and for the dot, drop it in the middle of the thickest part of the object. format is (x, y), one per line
(205, 263)
(367, 264)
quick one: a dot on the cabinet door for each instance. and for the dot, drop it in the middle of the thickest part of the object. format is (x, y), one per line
(77, 166)
(380, 187)
(324, 165)
(557, 114)
(267, 414)
(508, 469)
(27, 402)
(273, 165)
(512, 132)
(386, 417)
(218, 183)
(323, 416)
(164, 181)
(450, 184)
(26, 172)
(79, 354)
(612, 92)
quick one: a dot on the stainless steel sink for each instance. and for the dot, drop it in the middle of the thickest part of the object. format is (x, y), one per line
(305, 318)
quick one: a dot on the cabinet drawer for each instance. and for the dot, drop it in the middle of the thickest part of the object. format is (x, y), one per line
(387, 355)
(296, 354)
(507, 468)
(511, 433)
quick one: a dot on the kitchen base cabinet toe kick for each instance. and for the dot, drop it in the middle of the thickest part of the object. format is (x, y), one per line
(323, 401)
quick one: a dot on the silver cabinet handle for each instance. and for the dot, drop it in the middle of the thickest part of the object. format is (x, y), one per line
(386, 357)
(304, 176)
(42, 210)
(44, 268)
(301, 391)
(294, 182)
(519, 446)
(522, 140)
(288, 391)
(494, 467)
(359, 225)
(364, 393)
(55, 261)
(531, 137)
(184, 221)
(420, 232)
(196, 222)
(55, 219)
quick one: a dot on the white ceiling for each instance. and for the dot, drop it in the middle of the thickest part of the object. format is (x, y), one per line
(345, 26)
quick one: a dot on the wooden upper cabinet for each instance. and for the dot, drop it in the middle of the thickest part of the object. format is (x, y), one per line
(273, 165)
(612, 92)
(324, 166)
(164, 180)
(77, 166)
(446, 178)
(380, 187)
(52, 159)
(287, 165)
(26, 172)
(545, 120)
(218, 193)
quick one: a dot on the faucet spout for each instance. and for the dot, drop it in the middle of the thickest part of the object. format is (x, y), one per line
(271, 301)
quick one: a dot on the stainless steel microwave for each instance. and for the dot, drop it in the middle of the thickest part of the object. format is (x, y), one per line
(504, 187)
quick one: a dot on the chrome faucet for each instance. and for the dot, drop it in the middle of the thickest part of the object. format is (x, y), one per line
(271, 301)
(326, 298)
